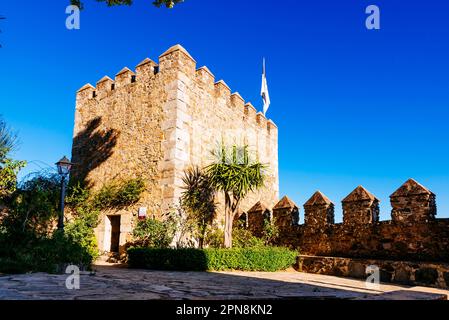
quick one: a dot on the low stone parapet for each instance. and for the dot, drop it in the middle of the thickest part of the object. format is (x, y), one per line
(402, 272)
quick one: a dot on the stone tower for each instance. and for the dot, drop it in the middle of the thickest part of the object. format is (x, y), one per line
(156, 122)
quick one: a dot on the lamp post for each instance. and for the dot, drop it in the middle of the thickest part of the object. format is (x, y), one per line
(64, 165)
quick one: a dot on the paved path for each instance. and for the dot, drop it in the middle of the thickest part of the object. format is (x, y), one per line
(113, 283)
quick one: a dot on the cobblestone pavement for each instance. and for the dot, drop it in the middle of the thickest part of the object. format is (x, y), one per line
(114, 283)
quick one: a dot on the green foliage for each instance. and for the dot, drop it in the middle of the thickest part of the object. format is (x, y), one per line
(40, 254)
(8, 176)
(214, 238)
(270, 231)
(77, 196)
(119, 195)
(8, 168)
(8, 140)
(79, 232)
(27, 243)
(235, 174)
(34, 206)
(168, 3)
(198, 201)
(81, 229)
(167, 259)
(153, 233)
(85, 219)
(268, 259)
(158, 3)
(243, 238)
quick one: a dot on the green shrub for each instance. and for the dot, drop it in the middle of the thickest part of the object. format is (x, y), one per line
(119, 195)
(129, 192)
(270, 231)
(243, 238)
(33, 254)
(214, 238)
(27, 240)
(86, 218)
(80, 233)
(269, 259)
(34, 207)
(77, 196)
(167, 259)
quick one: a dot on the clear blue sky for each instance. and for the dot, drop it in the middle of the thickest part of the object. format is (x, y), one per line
(353, 106)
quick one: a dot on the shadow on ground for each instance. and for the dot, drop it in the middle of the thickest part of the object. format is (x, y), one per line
(113, 283)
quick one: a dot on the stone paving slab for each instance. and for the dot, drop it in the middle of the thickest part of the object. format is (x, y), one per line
(113, 283)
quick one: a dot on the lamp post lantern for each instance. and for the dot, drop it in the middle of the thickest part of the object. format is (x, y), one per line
(64, 165)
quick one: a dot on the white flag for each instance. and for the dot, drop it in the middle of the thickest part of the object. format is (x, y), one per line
(264, 91)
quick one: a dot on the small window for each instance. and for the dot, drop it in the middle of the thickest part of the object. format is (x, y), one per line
(113, 86)
(133, 79)
(94, 94)
(156, 69)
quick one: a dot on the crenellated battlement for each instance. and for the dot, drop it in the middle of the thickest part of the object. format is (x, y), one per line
(104, 86)
(222, 90)
(412, 233)
(124, 77)
(206, 78)
(85, 92)
(177, 61)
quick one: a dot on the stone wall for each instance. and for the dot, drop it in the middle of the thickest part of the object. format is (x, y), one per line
(402, 272)
(413, 234)
(156, 122)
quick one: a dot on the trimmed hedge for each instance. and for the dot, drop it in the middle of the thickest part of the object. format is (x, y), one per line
(269, 259)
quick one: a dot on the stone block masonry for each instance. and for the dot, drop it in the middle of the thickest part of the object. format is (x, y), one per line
(157, 121)
(390, 271)
(414, 233)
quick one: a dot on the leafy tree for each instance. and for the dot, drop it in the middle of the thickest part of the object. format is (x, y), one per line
(110, 3)
(236, 175)
(198, 200)
(34, 205)
(8, 177)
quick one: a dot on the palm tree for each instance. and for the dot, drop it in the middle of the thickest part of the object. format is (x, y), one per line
(236, 175)
(198, 199)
